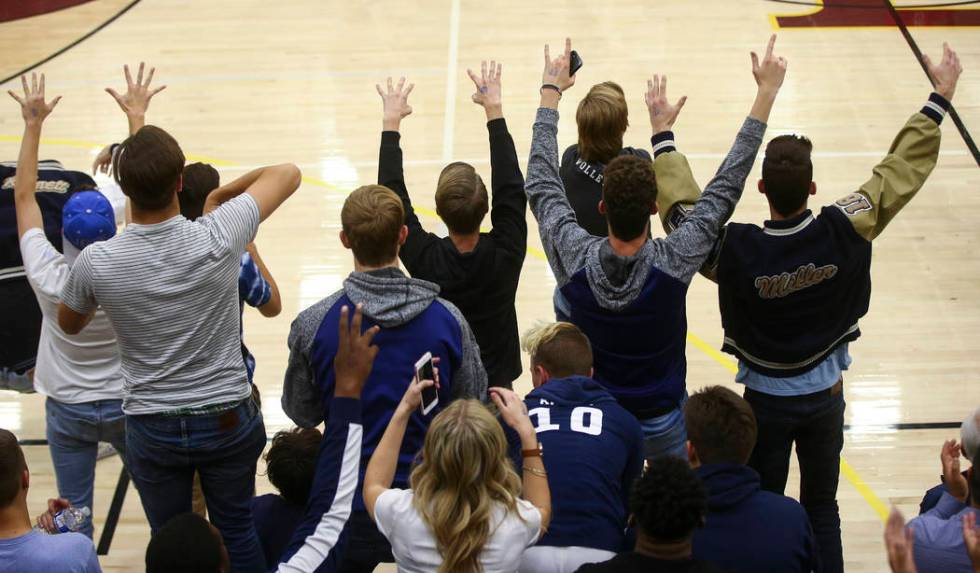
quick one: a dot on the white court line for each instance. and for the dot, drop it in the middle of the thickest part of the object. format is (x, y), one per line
(449, 119)
(486, 160)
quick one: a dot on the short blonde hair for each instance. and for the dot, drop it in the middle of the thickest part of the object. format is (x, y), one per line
(602, 119)
(560, 348)
(372, 219)
(461, 198)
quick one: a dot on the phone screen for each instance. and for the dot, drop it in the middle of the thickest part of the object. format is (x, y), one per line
(430, 396)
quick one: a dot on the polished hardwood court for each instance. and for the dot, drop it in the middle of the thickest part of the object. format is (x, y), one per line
(253, 82)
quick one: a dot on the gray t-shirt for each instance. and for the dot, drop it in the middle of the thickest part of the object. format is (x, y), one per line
(170, 291)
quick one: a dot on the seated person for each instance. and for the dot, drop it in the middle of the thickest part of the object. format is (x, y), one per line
(969, 446)
(21, 547)
(747, 529)
(669, 504)
(939, 542)
(290, 464)
(592, 443)
(602, 119)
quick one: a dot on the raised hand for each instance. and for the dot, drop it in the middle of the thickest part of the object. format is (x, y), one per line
(898, 543)
(946, 73)
(954, 480)
(136, 100)
(513, 410)
(103, 161)
(556, 71)
(355, 354)
(32, 104)
(971, 538)
(769, 73)
(488, 92)
(396, 105)
(662, 114)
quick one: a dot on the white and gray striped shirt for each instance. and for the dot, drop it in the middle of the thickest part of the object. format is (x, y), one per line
(170, 291)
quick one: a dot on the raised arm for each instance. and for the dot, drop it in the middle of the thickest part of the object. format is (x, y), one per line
(381, 469)
(509, 204)
(269, 186)
(513, 410)
(314, 544)
(564, 240)
(391, 173)
(269, 305)
(136, 101)
(692, 241)
(911, 157)
(34, 110)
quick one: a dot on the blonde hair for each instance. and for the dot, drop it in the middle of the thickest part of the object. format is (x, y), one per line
(461, 198)
(560, 348)
(372, 219)
(602, 119)
(462, 476)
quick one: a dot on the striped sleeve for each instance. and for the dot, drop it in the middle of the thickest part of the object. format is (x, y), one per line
(78, 293)
(235, 222)
(318, 542)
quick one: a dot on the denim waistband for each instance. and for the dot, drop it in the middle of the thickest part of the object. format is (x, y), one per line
(209, 410)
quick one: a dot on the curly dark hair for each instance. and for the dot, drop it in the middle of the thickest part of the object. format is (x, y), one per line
(669, 502)
(629, 191)
(291, 462)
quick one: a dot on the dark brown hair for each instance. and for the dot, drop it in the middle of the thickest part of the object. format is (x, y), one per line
(198, 181)
(372, 219)
(12, 466)
(720, 425)
(560, 348)
(629, 191)
(602, 119)
(787, 172)
(291, 463)
(147, 166)
(461, 198)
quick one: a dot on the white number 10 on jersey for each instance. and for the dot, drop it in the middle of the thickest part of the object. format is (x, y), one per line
(584, 419)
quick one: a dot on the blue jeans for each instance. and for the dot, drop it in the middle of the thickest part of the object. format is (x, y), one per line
(816, 423)
(665, 435)
(74, 432)
(164, 452)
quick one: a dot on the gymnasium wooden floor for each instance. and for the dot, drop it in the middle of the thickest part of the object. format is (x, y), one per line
(253, 82)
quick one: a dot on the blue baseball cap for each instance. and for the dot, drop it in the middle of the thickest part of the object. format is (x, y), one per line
(87, 218)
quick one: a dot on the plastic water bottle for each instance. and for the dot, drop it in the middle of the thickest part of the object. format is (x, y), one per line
(70, 519)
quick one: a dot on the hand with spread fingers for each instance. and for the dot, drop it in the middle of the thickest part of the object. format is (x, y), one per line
(395, 101)
(136, 101)
(355, 354)
(662, 113)
(32, 104)
(488, 92)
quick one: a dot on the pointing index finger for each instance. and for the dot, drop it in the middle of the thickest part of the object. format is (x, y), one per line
(772, 43)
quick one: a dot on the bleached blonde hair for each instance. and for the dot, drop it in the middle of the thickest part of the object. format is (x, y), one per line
(560, 348)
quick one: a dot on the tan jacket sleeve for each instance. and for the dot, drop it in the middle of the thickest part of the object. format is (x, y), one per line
(896, 179)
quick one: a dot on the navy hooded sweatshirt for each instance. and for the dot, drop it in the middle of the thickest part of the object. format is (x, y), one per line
(593, 454)
(750, 530)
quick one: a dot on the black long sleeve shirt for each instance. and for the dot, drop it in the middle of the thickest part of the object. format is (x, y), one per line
(583, 186)
(483, 282)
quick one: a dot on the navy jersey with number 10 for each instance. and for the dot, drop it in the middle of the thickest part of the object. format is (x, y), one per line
(593, 452)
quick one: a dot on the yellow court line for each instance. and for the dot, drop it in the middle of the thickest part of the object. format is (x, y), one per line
(852, 476)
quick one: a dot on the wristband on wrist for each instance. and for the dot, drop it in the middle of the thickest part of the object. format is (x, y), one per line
(536, 471)
(532, 453)
(551, 87)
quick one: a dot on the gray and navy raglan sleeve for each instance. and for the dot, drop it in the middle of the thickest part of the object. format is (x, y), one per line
(563, 239)
(692, 241)
(469, 380)
(301, 399)
(895, 181)
(316, 543)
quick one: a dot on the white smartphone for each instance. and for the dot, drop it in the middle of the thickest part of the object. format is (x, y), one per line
(424, 371)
